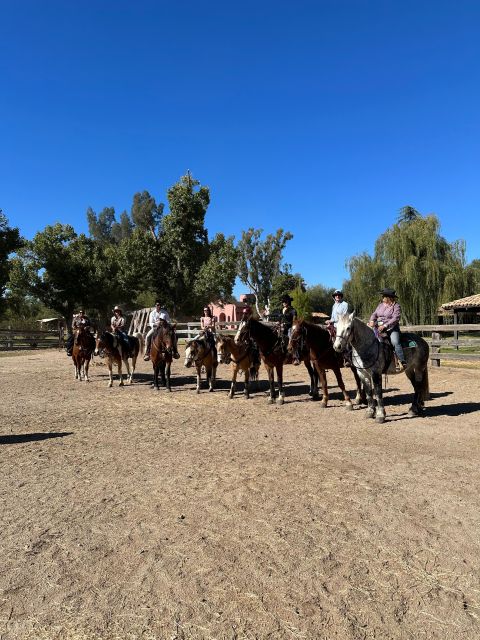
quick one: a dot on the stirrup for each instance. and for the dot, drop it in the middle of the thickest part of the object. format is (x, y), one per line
(146, 357)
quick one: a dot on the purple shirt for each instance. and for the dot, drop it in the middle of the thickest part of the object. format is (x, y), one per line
(388, 314)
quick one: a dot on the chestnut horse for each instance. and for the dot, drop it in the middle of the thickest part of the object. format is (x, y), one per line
(314, 340)
(164, 345)
(117, 352)
(200, 352)
(242, 357)
(82, 351)
(273, 351)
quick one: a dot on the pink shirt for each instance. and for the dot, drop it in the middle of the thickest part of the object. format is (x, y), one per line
(389, 314)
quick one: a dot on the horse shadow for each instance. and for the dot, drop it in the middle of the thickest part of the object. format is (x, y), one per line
(405, 398)
(20, 438)
(452, 410)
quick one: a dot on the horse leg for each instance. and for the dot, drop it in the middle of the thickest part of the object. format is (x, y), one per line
(281, 392)
(360, 398)
(341, 384)
(199, 377)
(323, 381)
(87, 366)
(119, 367)
(416, 378)
(312, 372)
(367, 385)
(110, 372)
(167, 375)
(271, 381)
(377, 387)
(162, 373)
(129, 375)
(246, 391)
(234, 382)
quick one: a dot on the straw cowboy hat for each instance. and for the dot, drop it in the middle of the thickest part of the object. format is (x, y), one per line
(117, 308)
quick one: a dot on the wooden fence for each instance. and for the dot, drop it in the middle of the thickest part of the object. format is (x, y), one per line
(438, 341)
(185, 330)
(16, 339)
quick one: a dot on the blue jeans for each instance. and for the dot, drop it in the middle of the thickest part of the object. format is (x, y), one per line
(395, 340)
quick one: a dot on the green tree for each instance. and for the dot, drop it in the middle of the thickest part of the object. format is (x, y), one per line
(473, 275)
(260, 261)
(284, 283)
(10, 241)
(123, 229)
(100, 226)
(301, 303)
(146, 214)
(320, 298)
(413, 258)
(217, 274)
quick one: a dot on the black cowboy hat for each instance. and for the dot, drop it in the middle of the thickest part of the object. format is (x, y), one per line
(337, 292)
(287, 298)
(389, 293)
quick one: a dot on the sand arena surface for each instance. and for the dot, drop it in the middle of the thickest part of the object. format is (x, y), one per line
(128, 513)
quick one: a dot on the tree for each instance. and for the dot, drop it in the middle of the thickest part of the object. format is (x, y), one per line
(320, 298)
(146, 214)
(259, 262)
(123, 229)
(216, 276)
(301, 303)
(10, 241)
(413, 258)
(100, 227)
(473, 275)
(185, 239)
(284, 283)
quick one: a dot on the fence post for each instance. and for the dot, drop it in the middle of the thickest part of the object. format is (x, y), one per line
(435, 349)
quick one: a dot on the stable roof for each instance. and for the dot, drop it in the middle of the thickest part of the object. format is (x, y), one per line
(470, 303)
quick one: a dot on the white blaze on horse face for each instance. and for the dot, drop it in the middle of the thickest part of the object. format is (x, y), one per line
(237, 335)
(188, 356)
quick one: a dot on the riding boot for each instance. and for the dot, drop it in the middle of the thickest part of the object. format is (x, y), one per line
(146, 357)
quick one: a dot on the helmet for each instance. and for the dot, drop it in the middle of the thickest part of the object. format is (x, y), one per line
(337, 292)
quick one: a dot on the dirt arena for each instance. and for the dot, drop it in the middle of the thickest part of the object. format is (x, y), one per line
(128, 513)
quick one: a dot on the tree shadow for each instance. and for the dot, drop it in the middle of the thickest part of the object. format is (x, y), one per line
(19, 438)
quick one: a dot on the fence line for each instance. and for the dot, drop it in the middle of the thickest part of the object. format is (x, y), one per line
(16, 339)
(437, 342)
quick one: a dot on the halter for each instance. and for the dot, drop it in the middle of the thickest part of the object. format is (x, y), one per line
(347, 338)
(197, 361)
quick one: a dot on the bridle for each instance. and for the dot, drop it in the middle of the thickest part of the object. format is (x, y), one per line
(346, 336)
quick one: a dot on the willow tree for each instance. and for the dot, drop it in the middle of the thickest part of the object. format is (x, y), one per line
(413, 258)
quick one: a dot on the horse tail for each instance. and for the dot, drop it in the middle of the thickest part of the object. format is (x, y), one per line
(139, 336)
(424, 387)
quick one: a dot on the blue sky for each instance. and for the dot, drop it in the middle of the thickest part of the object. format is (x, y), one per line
(321, 117)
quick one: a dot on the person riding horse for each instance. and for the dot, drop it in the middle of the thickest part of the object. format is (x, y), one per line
(79, 321)
(386, 318)
(339, 308)
(208, 325)
(158, 316)
(117, 324)
(289, 314)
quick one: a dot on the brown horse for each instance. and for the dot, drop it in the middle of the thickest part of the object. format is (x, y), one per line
(164, 346)
(118, 353)
(273, 351)
(311, 339)
(201, 352)
(242, 357)
(82, 351)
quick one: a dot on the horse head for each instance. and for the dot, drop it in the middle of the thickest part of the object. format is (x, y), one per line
(192, 348)
(104, 342)
(223, 352)
(296, 344)
(242, 334)
(344, 331)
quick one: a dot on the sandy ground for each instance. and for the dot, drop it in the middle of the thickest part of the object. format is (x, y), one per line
(128, 513)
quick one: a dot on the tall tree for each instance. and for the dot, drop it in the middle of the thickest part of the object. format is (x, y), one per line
(123, 229)
(301, 303)
(284, 283)
(100, 226)
(146, 214)
(217, 274)
(10, 241)
(185, 239)
(320, 298)
(260, 261)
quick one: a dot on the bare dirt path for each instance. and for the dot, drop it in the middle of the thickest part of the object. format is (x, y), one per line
(128, 513)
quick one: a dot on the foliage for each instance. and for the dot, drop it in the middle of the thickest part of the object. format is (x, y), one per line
(216, 276)
(100, 227)
(320, 298)
(260, 262)
(284, 283)
(413, 258)
(301, 303)
(10, 241)
(146, 214)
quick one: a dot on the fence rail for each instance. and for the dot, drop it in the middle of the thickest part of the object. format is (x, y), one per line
(17, 339)
(438, 341)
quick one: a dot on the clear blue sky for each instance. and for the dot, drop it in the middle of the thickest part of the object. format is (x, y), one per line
(321, 117)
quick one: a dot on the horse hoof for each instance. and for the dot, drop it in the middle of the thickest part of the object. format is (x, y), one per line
(380, 420)
(271, 401)
(369, 414)
(280, 400)
(230, 396)
(412, 414)
(210, 390)
(198, 390)
(349, 406)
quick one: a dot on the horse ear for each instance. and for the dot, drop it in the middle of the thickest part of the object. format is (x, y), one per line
(174, 325)
(352, 315)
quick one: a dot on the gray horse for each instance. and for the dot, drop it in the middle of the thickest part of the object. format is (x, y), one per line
(372, 358)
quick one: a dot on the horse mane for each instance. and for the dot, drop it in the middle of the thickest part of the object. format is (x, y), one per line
(314, 328)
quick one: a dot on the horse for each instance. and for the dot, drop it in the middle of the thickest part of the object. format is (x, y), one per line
(311, 341)
(163, 348)
(372, 358)
(117, 352)
(242, 357)
(83, 348)
(273, 351)
(201, 352)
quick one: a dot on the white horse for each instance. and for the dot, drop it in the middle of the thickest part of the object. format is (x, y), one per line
(372, 358)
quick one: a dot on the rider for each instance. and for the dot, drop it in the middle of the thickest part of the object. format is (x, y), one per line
(117, 323)
(387, 317)
(79, 320)
(208, 324)
(339, 308)
(158, 316)
(288, 315)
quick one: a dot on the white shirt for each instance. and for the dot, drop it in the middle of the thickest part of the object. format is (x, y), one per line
(156, 316)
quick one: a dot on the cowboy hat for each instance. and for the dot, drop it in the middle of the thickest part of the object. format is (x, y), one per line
(117, 308)
(287, 298)
(387, 292)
